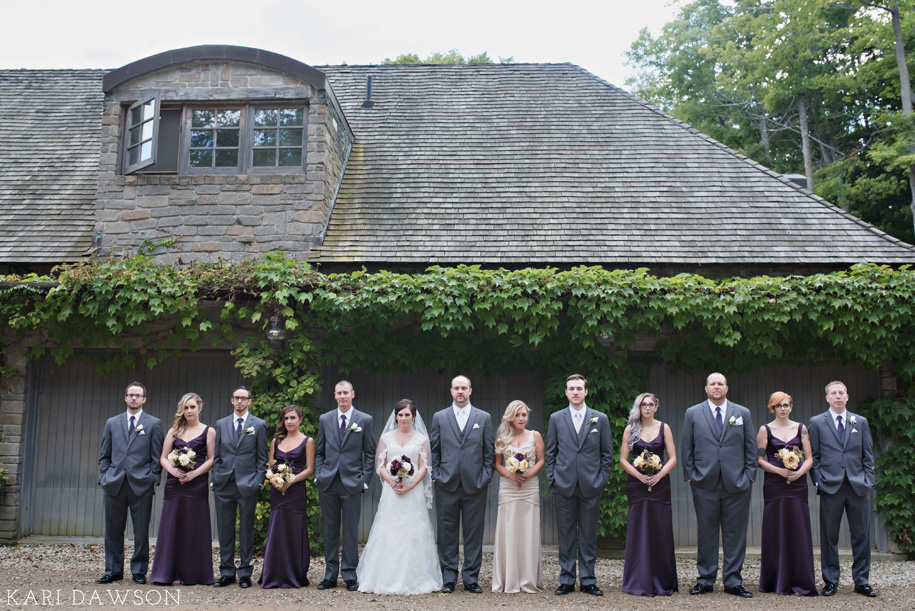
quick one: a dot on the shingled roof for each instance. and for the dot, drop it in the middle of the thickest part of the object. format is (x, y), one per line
(50, 135)
(546, 164)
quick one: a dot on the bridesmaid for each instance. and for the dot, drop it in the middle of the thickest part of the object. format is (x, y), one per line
(650, 568)
(517, 564)
(786, 563)
(288, 554)
(184, 544)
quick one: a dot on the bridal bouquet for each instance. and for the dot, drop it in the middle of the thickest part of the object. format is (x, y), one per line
(517, 463)
(279, 474)
(401, 467)
(183, 458)
(791, 457)
(648, 463)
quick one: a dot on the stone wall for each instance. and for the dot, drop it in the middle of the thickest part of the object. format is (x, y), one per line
(12, 429)
(228, 216)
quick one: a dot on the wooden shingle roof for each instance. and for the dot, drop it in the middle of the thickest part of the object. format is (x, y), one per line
(50, 141)
(545, 164)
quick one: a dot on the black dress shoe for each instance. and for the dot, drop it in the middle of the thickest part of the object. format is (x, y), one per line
(224, 581)
(701, 589)
(327, 584)
(830, 589)
(739, 591)
(592, 589)
(352, 585)
(244, 582)
(139, 578)
(564, 589)
(110, 578)
(473, 588)
(866, 590)
(448, 588)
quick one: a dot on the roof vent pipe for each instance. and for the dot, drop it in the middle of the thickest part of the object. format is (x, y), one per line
(368, 103)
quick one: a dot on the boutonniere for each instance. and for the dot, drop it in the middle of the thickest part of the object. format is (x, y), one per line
(852, 421)
(138, 430)
(355, 428)
(594, 420)
(249, 430)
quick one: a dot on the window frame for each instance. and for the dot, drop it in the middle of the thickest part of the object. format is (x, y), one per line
(141, 162)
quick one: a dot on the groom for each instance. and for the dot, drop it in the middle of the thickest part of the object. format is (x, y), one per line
(843, 471)
(718, 450)
(579, 458)
(239, 464)
(461, 444)
(344, 463)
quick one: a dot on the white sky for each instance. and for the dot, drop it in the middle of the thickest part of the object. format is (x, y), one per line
(95, 34)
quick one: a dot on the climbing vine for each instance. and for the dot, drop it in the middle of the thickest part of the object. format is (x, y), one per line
(609, 325)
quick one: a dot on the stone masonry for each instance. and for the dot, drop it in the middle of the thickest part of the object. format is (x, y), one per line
(12, 426)
(219, 216)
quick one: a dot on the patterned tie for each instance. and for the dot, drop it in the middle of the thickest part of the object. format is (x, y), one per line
(841, 428)
(132, 427)
(342, 424)
(718, 420)
(238, 428)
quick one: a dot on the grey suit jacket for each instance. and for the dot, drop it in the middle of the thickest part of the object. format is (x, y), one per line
(467, 460)
(833, 459)
(584, 458)
(353, 456)
(134, 458)
(244, 457)
(707, 454)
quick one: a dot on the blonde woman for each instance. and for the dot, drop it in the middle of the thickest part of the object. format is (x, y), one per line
(517, 561)
(184, 548)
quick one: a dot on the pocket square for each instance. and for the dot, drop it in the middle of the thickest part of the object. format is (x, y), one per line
(739, 422)
(475, 425)
(593, 430)
(141, 433)
(854, 430)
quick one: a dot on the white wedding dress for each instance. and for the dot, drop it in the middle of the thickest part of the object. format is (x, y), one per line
(400, 556)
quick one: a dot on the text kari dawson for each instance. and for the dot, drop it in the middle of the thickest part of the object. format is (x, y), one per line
(90, 598)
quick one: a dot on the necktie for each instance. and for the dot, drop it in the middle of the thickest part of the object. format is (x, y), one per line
(718, 420)
(578, 421)
(840, 427)
(132, 427)
(342, 424)
(462, 419)
(238, 428)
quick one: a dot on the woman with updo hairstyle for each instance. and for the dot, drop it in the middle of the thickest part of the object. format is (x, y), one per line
(517, 561)
(184, 543)
(786, 558)
(287, 554)
(650, 568)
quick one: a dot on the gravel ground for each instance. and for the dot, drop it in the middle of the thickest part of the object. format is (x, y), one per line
(67, 573)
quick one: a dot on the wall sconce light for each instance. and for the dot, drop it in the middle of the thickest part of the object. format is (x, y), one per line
(605, 339)
(277, 332)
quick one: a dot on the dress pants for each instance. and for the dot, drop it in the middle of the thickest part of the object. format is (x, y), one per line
(227, 501)
(460, 511)
(858, 513)
(726, 512)
(116, 508)
(576, 523)
(340, 510)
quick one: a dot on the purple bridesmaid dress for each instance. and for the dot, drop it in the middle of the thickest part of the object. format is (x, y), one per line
(288, 555)
(651, 566)
(184, 544)
(786, 565)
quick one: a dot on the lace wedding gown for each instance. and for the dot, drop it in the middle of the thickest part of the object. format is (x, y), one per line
(400, 556)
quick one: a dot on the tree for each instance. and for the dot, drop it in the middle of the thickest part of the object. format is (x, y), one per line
(450, 57)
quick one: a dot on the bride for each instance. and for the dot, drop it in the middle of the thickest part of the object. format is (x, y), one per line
(399, 560)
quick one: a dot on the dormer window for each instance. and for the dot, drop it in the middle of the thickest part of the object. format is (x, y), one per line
(214, 139)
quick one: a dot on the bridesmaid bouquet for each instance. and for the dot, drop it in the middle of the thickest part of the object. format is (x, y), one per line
(517, 463)
(648, 463)
(401, 467)
(183, 458)
(791, 457)
(279, 474)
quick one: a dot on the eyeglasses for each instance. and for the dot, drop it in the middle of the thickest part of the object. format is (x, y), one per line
(784, 405)
(648, 404)
(241, 398)
(130, 396)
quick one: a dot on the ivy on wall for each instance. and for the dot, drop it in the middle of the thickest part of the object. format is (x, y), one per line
(544, 321)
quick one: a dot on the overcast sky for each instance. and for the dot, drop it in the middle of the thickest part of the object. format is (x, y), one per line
(95, 34)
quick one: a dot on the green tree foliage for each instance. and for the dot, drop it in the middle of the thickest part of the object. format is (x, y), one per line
(450, 57)
(801, 86)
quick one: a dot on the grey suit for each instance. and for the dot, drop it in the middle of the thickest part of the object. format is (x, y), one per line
(129, 470)
(462, 467)
(843, 471)
(343, 468)
(720, 468)
(239, 464)
(578, 466)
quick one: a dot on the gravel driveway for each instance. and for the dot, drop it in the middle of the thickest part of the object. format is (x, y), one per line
(67, 572)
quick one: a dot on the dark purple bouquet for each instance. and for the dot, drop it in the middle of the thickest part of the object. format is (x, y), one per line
(401, 467)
